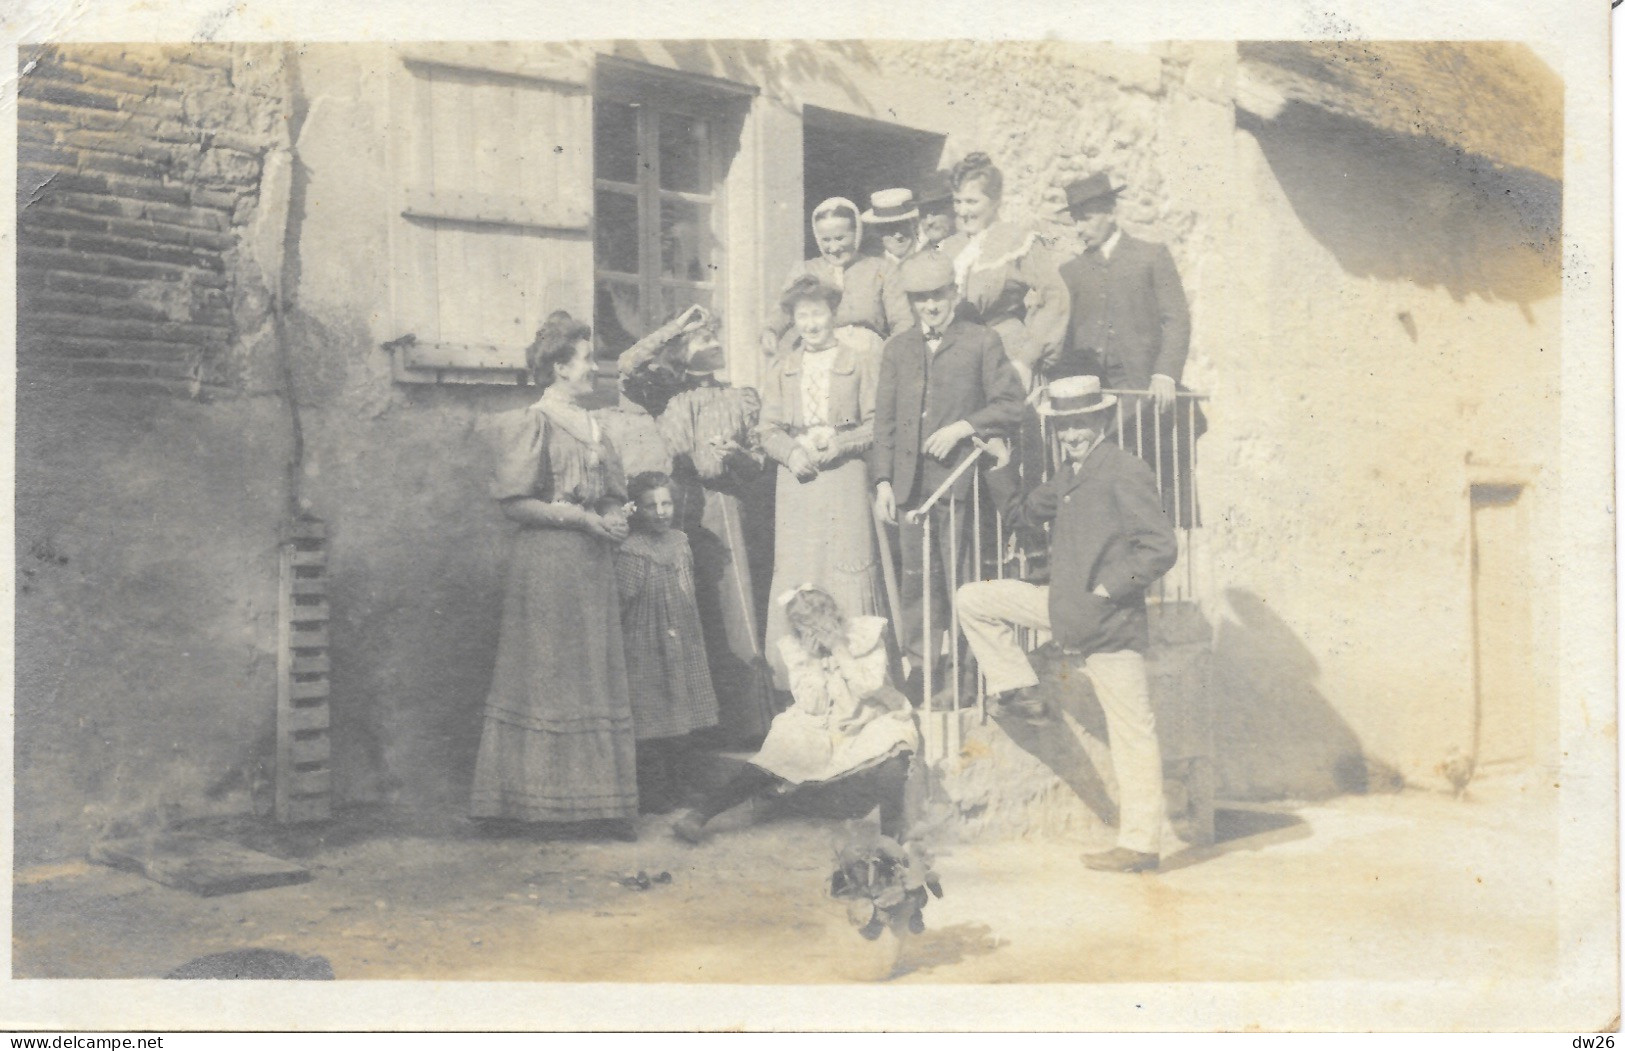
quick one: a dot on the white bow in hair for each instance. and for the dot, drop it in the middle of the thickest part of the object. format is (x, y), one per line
(785, 597)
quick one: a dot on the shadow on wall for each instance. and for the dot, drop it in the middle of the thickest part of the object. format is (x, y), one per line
(1275, 735)
(1397, 207)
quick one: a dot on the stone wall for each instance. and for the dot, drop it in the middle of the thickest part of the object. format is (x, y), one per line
(138, 167)
(152, 436)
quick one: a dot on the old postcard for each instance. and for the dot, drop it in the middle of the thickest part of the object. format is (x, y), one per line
(934, 517)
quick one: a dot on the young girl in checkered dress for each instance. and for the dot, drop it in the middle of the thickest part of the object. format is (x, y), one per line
(665, 649)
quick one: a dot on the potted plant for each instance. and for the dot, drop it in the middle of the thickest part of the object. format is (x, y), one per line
(884, 884)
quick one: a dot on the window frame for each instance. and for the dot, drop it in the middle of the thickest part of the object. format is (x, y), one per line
(652, 91)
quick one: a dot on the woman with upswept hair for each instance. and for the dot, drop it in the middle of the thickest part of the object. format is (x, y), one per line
(1008, 277)
(558, 742)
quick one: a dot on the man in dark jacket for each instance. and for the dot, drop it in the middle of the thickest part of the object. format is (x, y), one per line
(1130, 326)
(1110, 540)
(943, 382)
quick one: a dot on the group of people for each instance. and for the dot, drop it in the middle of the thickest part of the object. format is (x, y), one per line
(629, 623)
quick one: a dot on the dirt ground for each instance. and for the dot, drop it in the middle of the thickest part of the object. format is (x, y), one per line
(1397, 887)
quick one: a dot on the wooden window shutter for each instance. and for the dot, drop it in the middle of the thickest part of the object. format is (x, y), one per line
(491, 223)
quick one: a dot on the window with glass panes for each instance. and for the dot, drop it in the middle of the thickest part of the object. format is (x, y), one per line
(655, 212)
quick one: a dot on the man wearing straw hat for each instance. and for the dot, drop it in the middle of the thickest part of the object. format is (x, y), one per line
(945, 383)
(1110, 540)
(894, 218)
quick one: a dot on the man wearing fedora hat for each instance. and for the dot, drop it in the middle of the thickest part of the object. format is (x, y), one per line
(1130, 324)
(944, 381)
(894, 216)
(935, 197)
(1109, 541)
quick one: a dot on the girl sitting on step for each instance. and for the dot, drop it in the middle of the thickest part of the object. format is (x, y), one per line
(846, 721)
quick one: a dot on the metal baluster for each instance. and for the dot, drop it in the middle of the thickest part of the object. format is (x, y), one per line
(1156, 446)
(1121, 437)
(1179, 508)
(953, 619)
(1195, 507)
(926, 656)
(1139, 431)
(976, 509)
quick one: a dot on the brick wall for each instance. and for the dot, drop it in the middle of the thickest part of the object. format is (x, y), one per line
(138, 169)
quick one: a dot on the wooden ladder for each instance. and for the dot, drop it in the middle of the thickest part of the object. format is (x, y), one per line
(304, 777)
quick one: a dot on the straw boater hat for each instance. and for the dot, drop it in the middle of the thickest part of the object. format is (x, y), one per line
(1097, 188)
(1073, 396)
(891, 206)
(927, 272)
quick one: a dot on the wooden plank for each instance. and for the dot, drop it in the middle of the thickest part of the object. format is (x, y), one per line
(309, 690)
(493, 61)
(307, 638)
(286, 575)
(300, 719)
(313, 749)
(421, 240)
(304, 809)
(307, 612)
(307, 586)
(314, 664)
(492, 209)
(313, 782)
(463, 356)
(198, 864)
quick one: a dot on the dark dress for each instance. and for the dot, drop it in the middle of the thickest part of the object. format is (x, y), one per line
(666, 669)
(558, 742)
(717, 509)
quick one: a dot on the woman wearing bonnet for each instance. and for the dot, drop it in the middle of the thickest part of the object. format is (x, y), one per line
(871, 291)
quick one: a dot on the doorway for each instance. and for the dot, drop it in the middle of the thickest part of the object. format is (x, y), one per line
(1515, 719)
(852, 157)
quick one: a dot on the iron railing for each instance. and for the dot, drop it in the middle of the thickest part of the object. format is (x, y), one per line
(1167, 440)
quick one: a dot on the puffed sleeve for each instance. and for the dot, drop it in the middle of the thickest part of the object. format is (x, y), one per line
(1049, 304)
(522, 467)
(865, 671)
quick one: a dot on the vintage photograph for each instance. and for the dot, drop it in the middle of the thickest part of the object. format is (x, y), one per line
(791, 512)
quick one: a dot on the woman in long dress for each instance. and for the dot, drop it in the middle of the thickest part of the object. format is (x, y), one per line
(846, 719)
(871, 288)
(710, 427)
(818, 405)
(1008, 277)
(558, 743)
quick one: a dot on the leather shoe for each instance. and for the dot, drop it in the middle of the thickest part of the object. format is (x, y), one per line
(689, 828)
(1024, 704)
(1122, 859)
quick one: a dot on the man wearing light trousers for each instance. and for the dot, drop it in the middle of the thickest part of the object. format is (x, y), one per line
(1110, 540)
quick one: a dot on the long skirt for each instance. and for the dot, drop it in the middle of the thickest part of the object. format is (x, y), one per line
(558, 742)
(823, 535)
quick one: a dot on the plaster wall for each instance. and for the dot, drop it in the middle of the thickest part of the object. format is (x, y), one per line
(1403, 327)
